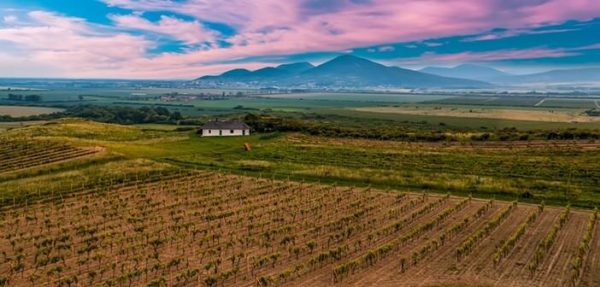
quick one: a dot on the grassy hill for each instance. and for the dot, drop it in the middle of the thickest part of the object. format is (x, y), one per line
(555, 172)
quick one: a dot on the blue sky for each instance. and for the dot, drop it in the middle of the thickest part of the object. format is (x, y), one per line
(189, 38)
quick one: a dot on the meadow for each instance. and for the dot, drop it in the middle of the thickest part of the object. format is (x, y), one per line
(556, 172)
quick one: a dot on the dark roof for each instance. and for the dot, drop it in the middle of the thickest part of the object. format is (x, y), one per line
(225, 125)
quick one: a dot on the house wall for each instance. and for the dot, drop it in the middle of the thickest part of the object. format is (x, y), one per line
(224, 133)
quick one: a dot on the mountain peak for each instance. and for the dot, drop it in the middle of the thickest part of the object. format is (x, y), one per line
(236, 73)
(346, 63)
(350, 58)
(296, 67)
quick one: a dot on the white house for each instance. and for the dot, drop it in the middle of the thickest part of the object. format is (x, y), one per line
(225, 129)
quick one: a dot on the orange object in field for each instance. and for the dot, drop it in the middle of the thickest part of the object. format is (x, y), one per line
(247, 147)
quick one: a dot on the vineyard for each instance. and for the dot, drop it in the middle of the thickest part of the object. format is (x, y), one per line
(157, 208)
(23, 153)
(205, 228)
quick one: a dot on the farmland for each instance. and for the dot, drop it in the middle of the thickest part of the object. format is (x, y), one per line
(564, 116)
(19, 111)
(195, 228)
(557, 172)
(552, 108)
(86, 203)
(18, 154)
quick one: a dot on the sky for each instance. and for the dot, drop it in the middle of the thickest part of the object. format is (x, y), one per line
(185, 39)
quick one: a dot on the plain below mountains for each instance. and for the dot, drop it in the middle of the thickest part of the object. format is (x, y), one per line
(342, 72)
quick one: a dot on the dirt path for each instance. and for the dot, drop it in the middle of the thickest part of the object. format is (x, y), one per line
(323, 277)
(388, 272)
(436, 271)
(515, 265)
(555, 271)
(483, 254)
(540, 103)
(591, 276)
(467, 269)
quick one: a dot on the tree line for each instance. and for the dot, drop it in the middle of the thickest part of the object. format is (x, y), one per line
(108, 114)
(330, 127)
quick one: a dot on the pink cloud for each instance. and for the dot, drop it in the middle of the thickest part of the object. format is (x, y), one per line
(273, 27)
(70, 45)
(191, 32)
(269, 28)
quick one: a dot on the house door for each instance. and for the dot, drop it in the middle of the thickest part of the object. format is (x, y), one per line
(220, 132)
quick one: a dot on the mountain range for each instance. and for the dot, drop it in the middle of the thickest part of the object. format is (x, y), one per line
(353, 72)
(341, 72)
(491, 75)
(467, 71)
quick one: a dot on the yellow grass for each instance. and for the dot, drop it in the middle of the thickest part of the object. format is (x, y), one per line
(21, 111)
(508, 114)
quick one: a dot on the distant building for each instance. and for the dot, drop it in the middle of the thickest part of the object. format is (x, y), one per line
(225, 129)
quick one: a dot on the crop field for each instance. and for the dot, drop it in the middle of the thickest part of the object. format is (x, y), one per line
(19, 111)
(571, 103)
(565, 116)
(156, 207)
(519, 101)
(11, 125)
(201, 228)
(17, 154)
(362, 97)
(515, 101)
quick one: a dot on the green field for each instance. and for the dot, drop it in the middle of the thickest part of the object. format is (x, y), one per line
(10, 125)
(363, 97)
(547, 172)
(324, 103)
(506, 100)
(571, 103)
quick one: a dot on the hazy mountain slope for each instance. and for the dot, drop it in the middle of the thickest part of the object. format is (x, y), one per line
(467, 71)
(585, 75)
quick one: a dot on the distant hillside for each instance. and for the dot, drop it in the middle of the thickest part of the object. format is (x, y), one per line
(491, 75)
(261, 75)
(586, 75)
(343, 71)
(467, 71)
